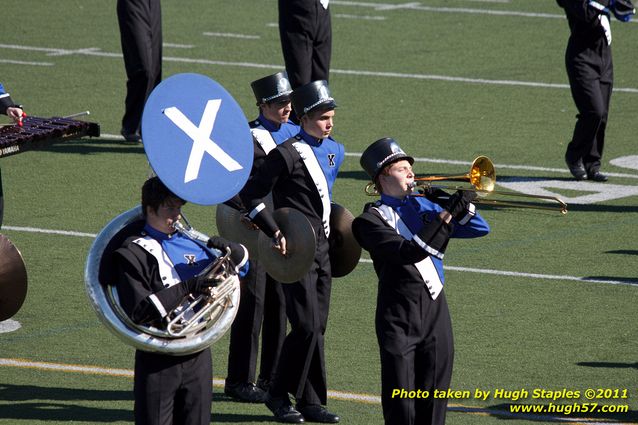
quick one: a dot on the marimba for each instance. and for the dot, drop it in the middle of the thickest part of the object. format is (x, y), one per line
(38, 132)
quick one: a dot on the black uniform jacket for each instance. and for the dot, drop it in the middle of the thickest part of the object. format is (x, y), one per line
(138, 278)
(393, 255)
(284, 174)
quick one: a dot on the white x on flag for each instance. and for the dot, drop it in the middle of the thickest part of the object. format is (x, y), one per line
(202, 142)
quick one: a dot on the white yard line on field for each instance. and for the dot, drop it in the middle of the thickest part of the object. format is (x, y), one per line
(502, 166)
(231, 35)
(336, 395)
(14, 62)
(354, 72)
(368, 261)
(107, 136)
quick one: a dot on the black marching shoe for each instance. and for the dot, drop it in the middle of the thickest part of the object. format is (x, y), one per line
(263, 383)
(577, 169)
(597, 176)
(283, 410)
(317, 413)
(134, 137)
(245, 391)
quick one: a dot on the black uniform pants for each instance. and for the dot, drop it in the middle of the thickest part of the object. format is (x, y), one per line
(262, 301)
(141, 36)
(590, 72)
(173, 390)
(301, 369)
(305, 31)
(417, 353)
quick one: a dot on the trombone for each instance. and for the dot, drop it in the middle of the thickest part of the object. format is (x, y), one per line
(482, 177)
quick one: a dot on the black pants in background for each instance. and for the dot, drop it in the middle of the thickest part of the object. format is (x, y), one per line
(590, 72)
(262, 308)
(140, 24)
(305, 31)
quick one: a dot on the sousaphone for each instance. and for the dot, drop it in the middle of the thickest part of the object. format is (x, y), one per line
(198, 142)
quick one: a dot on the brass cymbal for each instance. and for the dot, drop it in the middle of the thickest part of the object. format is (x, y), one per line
(230, 226)
(13, 279)
(345, 251)
(300, 245)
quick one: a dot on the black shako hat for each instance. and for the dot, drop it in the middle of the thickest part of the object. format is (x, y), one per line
(273, 88)
(381, 153)
(311, 96)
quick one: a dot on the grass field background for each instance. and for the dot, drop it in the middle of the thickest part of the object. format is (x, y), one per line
(545, 301)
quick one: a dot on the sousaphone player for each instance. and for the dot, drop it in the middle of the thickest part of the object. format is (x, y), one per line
(156, 270)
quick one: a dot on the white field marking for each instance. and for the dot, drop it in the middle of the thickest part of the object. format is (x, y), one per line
(272, 25)
(630, 161)
(65, 52)
(49, 231)
(9, 325)
(490, 1)
(231, 35)
(363, 17)
(626, 162)
(419, 6)
(336, 395)
(531, 275)
(366, 260)
(504, 166)
(13, 62)
(178, 46)
(92, 52)
(592, 192)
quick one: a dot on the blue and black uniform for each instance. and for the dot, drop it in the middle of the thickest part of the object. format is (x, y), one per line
(262, 304)
(406, 240)
(300, 173)
(153, 268)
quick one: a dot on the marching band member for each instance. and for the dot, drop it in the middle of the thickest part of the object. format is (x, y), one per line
(140, 23)
(305, 33)
(15, 112)
(406, 236)
(262, 299)
(155, 270)
(300, 173)
(590, 70)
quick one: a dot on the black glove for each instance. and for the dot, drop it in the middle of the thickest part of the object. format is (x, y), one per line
(201, 282)
(623, 10)
(458, 203)
(435, 234)
(237, 250)
(437, 195)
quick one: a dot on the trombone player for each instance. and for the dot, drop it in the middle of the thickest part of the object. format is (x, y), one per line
(406, 235)
(156, 269)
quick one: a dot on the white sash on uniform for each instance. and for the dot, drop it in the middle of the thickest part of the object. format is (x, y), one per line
(167, 271)
(264, 138)
(317, 175)
(426, 267)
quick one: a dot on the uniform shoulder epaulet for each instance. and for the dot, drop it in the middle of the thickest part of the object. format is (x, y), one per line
(369, 205)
